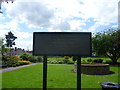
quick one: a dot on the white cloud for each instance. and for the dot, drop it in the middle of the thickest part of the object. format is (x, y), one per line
(23, 35)
(3, 33)
(75, 24)
(103, 11)
(24, 44)
(45, 13)
(115, 26)
(13, 27)
(35, 13)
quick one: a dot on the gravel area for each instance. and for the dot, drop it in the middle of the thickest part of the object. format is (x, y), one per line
(14, 68)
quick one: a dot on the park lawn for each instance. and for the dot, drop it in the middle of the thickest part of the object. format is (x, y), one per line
(59, 76)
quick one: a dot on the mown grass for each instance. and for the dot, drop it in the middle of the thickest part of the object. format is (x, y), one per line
(59, 76)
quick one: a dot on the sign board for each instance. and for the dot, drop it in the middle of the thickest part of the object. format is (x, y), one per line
(62, 43)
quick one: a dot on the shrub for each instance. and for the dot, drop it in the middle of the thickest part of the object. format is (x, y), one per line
(5, 58)
(70, 62)
(39, 59)
(25, 56)
(84, 61)
(60, 62)
(32, 59)
(23, 62)
(89, 60)
(65, 60)
(74, 58)
(11, 60)
(98, 60)
(66, 57)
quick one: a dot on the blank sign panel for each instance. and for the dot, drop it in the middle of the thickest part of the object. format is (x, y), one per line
(61, 43)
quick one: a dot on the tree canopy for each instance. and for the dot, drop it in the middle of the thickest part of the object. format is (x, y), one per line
(10, 39)
(3, 49)
(107, 44)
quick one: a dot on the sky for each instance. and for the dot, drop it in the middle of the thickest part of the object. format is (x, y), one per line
(23, 17)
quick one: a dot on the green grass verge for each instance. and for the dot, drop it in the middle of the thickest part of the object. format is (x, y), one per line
(59, 76)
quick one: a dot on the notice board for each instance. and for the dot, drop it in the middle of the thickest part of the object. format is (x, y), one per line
(62, 44)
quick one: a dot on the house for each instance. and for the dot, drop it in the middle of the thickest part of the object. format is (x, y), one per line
(15, 51)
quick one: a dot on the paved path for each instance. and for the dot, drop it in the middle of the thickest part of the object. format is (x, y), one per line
(14, 68)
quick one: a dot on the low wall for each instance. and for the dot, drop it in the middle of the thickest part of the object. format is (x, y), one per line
(95, 69)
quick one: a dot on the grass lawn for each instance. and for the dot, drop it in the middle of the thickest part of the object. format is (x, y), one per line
(59, 76)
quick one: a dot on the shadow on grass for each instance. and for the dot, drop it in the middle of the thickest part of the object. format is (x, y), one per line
(110, 72)
(113, 64)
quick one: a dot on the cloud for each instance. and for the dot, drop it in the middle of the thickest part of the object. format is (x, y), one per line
(63, 25)
(23, 35)
(35, 13)
(24, 44)
(76, 24)
(50, 14)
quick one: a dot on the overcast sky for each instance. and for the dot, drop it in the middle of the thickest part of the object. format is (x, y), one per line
(23, 17)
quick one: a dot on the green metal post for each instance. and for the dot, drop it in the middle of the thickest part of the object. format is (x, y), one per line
(45, 73)
(79, 73)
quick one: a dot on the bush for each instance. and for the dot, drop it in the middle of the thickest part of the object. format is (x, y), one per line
(25, 56)
(11, 60)
(39, 59)
(31, 58)
(70, 62)
(74, 58)
(55, 60)
(60, 62)
(66, 57)
(89, 60)
(5, 58)
(23, 62)
(65, 60)
(98, 60)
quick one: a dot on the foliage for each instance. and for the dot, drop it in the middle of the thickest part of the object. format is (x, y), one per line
(1, 43)
(23, 62)
(25, 56)
(74, 58)
(55, 60)
(39, 59)
(10, 60)
(65, 60)
(70, 62)
(30, 57)
(3, 49)
(89, 60)
(66, 57)
(107, 44)
(10, 38)
(97, 60)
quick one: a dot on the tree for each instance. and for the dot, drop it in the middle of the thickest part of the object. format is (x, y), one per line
(10, 40)
(3, 49)
(1, 45)
(107, 44)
